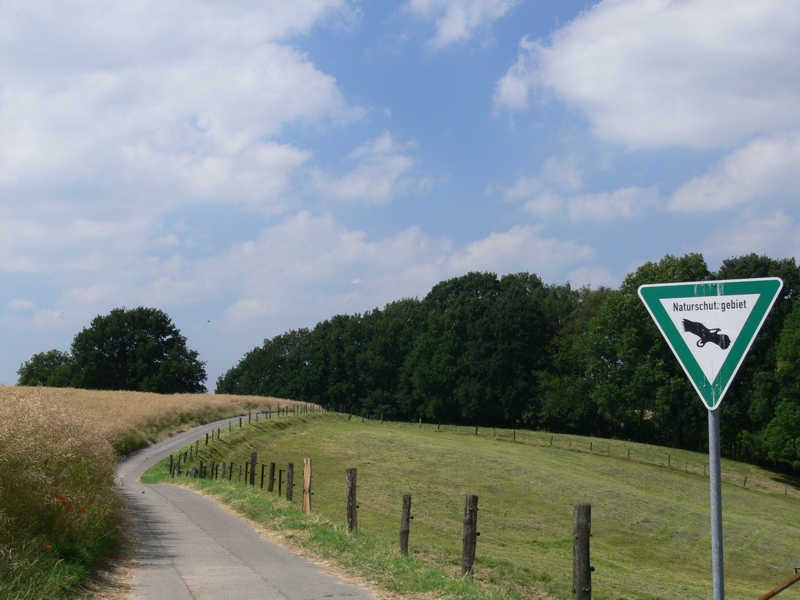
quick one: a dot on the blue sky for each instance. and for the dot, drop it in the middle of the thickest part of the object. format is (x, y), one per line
(253, 167)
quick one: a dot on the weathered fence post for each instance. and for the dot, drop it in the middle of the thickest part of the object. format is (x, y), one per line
(249, 417)
(240, 422)
(280, 481)
(289, 481)
(581, 570)
(224, 471)
(240, 474)
(230, 472)
(202, 469)
(171, 463)
(206, 438)
(470, 534)
(211, 466)
(405, 524)
(197, 447)
(246, 471)
(307, 485)
(352, 513)
(271, 485)
(253, 457)
(263, 466)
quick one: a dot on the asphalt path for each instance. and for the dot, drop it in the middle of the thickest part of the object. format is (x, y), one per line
(191, 548)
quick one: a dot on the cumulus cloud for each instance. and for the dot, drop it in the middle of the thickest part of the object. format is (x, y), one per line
(519, 249)
(20, 304)
(764, 168)
(382, 172)
(169, 106)
(775, 234)
(654, 73)
(458, 20)
(625, 203)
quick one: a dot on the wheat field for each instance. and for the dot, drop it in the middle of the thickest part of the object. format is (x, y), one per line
(132, 420)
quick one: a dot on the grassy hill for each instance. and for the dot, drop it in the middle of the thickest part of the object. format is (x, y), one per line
(650, 507)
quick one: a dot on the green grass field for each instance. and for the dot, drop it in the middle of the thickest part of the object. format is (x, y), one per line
(650, 521)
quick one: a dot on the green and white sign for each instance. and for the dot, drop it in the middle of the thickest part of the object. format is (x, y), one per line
(710, 326)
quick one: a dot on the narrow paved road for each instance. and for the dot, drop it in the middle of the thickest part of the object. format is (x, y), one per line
(191, 548)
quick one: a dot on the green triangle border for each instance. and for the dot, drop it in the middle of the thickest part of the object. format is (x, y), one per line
(711, 392)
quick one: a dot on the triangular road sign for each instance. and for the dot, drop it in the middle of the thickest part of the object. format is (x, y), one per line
(710, 326)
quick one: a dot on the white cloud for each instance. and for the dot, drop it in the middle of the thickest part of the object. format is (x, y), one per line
(383, 172)
(519, 249)
(164, 106)
(625, 203)
(20, 304)
(458, 20)
(546, 205)
(592, 276)
(653, 73)
(776, 234)
(763, 169)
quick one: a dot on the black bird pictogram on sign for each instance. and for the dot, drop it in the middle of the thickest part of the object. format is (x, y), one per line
(706, 335)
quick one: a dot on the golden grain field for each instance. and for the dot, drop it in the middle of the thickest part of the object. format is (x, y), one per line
(131, 420)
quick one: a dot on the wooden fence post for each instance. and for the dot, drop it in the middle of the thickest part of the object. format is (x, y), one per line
(206, 438)
(307, 485)
(197, 447)
(171, 463)
(230, 472)
(240, 474)
(581, 570)
(240, 422)
(289, 481)
(202, 469)
(405, 524)
(280, 481)
(470, 534)
(211, 466)
(224, 471)
(352, 513)
(253, 457)
(249, 417)
(246, 471)
(262, 475)
(271, 485)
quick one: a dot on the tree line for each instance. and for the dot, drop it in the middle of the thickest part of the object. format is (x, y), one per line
(512, 351)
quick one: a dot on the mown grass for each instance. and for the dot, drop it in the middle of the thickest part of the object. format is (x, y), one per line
(651, 531)
(60, 515)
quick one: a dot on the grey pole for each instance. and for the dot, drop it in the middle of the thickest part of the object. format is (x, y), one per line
(716, 504)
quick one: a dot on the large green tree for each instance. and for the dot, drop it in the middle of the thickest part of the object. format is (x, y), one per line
(138, 349)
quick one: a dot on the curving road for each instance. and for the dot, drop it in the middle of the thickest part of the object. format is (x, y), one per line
(191, 548)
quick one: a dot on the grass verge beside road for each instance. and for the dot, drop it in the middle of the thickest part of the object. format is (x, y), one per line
(651, 532)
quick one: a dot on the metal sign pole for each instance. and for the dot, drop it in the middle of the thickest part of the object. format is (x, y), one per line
(716, 504)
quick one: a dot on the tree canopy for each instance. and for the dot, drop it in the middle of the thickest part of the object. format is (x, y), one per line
(513, 351)
(138, 350)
